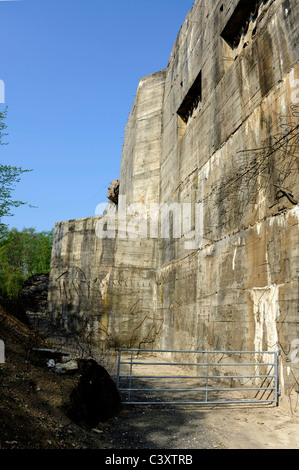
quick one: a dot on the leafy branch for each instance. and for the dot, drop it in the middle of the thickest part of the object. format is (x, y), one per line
(9, 176)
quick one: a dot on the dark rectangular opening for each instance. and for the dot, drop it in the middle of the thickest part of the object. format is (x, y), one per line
(237, 25)
(191, 100)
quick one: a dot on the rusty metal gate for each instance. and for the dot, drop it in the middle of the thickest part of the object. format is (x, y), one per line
(181, 377)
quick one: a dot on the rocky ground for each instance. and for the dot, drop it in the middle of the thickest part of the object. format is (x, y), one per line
(33, 399)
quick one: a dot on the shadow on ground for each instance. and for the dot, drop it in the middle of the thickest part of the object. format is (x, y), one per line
(159, 427)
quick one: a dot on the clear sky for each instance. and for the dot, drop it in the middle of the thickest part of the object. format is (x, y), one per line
(71, 69)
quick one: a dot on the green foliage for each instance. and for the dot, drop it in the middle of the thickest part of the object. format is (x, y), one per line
(3, 126)
(9, 176)
(23, 254)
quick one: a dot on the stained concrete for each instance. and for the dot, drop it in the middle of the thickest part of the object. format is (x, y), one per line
(237, 156)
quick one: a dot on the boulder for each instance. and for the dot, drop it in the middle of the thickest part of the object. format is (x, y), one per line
(95, 399)
(113, 191)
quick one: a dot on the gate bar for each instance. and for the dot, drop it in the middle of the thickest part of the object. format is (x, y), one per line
(194, 376)
(206, 389)
(201, 363)
(197, 352)
(223, 402)
(202, 389)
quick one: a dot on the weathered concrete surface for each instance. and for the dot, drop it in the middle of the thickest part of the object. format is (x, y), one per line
(105, 286)
(140, 165)
(240, 290)
(236, 155)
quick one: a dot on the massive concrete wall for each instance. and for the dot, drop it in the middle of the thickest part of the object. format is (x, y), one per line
(217, 128)
(104, 283)
(236, 154)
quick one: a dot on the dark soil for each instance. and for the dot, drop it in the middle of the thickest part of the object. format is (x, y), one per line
(33, 398)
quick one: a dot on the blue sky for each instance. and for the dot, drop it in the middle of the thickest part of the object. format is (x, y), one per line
(71, 70)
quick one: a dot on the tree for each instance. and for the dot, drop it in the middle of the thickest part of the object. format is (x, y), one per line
(9, 176)
(23, 254)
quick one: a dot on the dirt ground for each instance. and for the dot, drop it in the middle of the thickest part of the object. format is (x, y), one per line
(213, 428)
(32, 416)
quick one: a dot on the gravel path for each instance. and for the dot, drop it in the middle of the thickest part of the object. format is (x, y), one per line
(155, 427)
